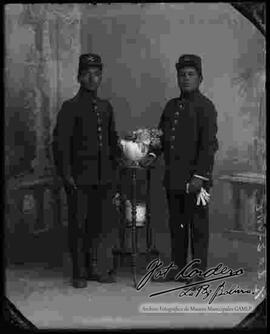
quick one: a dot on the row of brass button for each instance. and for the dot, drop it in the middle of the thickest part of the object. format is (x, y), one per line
(99, 121)
(180, 105)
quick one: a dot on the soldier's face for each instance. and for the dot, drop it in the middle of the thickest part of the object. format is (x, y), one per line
(188, 79)
(90, 79)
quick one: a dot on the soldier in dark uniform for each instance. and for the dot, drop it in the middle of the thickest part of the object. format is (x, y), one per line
(189, 143)
(85, 150)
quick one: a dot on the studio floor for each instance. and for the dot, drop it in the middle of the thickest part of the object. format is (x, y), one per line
(44, 295)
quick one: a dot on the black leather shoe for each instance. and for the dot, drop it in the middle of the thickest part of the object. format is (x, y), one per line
(96, 276)
(169, 278)
(182, 280)
(108, 278)
(79, 283)
(160, 280)
(92, 273)
(93, 277)
(197, 279)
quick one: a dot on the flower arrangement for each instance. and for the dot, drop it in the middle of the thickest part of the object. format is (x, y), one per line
(137, 144)
(148, 137)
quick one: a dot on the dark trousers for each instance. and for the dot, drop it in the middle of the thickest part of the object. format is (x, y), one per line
(188, 223)
(85, 211)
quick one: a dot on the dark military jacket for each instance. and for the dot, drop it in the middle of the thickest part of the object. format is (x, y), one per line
(189, 142)
(85, 142)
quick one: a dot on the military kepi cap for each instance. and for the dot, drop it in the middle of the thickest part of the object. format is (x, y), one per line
(89, 60)
(190, 60)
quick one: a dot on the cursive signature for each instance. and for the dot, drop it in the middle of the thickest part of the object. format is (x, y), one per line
(155, 270)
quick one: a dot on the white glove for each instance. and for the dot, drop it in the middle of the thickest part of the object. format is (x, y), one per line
(203, 196)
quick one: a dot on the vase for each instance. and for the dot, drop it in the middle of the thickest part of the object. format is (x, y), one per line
(134, 151)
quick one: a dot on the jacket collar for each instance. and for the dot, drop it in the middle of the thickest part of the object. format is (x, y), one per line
(189, 96)
(87, 95)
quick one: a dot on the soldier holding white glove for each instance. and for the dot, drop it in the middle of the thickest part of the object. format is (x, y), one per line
(189, 144)
(196, 186)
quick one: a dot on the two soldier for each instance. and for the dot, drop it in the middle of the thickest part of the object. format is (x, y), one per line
(86, 152)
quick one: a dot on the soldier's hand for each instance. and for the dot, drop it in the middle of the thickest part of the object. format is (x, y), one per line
(147, 161)
(195, 185)
(116, 199)
(70, 183)
(124, 162)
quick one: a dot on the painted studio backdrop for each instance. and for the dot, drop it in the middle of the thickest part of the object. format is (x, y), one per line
(139, 46)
